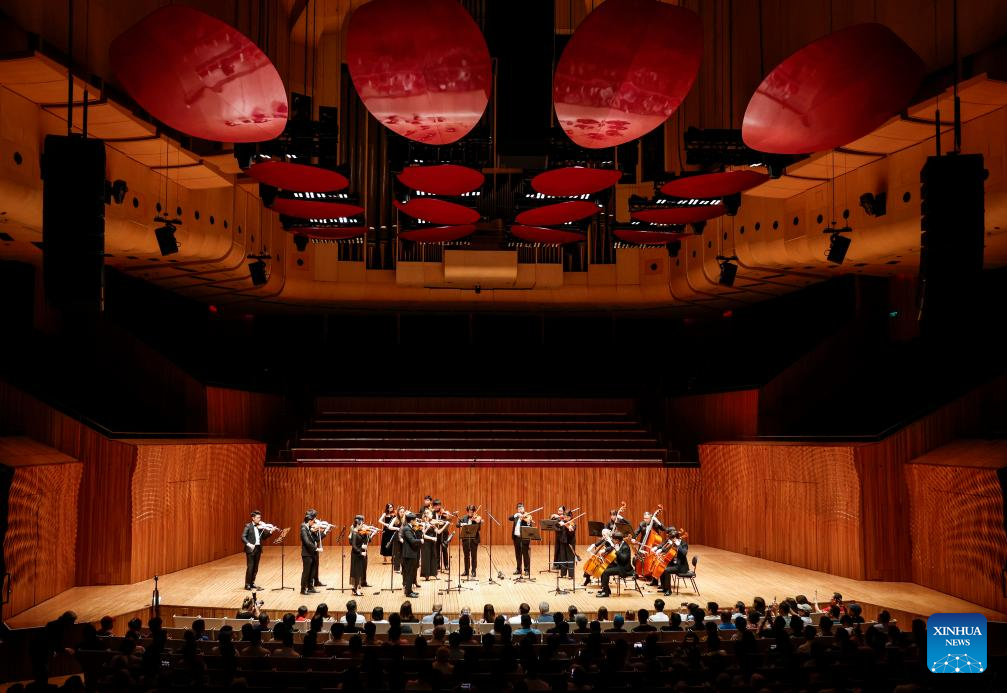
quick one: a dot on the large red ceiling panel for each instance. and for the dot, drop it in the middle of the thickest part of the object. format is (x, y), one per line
(559, 213)
(832, 91)
(332, 233)
(711, 185)
(574, 180)
(200, 76)
(421, 68)
(679, 215)
(438, 234)
(648, 237)
(315, 209)
(627, 68)
(443, 179)
(437, 211)
(297, 177)
(536, 234)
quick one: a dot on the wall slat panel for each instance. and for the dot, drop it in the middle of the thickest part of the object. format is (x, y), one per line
(695, 419)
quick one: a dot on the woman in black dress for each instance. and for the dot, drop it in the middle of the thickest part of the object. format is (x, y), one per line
(360, 535)
(386, 522)
(399, 522)
(563, 549)
(428, 557)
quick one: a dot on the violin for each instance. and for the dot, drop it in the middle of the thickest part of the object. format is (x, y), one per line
(267, 527)
(527, 517)
(363, 529)
(317, 525)
(569, 521)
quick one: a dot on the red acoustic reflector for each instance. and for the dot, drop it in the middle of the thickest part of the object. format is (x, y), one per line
(297, 177)
(421, 68)
(649, 237)
(444, 179)
(832, 91)
(315, 209)
(537, 234)
(438, 234)
(712, 185)
(437, 211)
(627, 68)
(331, 233)
(679, 215)
(574, 180)
(559, 213)
(200, 76)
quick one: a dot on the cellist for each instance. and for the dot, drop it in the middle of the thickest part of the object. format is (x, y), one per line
(603, 545)
(679, 564)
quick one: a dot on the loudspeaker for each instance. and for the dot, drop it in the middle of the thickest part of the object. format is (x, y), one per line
(952, 238)
(728, 273)
(838, 245)
(257, 271)
(73, 222)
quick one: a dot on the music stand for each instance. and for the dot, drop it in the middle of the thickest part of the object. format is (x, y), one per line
(558, 589)
(623, 526)
(341, 540)
(396, 536)
(279, 540)
(489, 547)
(528, 534)
(467, 532)
(594, 528)
(549, 526)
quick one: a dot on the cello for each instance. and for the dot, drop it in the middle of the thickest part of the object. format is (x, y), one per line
(663, 560)
(600, 559)
(651, 539)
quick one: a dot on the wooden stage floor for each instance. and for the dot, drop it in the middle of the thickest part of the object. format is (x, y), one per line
(723, 576)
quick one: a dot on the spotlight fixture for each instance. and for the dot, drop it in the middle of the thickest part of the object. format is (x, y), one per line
(165, 235)
(673, 248)
(115, 191)
(728, 270)
(698, 227)
(732, 203)
(875, 205)
(257, 269)
(838, 244)
(300, 242)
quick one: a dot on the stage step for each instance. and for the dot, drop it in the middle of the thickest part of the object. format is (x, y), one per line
(477, 453)
(473, 442)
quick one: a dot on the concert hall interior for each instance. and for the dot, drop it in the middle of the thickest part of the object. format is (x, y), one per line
(597, 305)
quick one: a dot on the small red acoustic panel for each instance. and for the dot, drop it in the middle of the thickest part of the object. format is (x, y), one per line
(832, 91)
(437, 211)
(332, 234)
(439, 234)
(315, 209)
(559, 213)
(648, 237)
(421, 68)
(712, 185)
(574, 180)
(536, 234)
(679, 215)
(200, 76)
(297, 177)
(443, 179)
(627, 68)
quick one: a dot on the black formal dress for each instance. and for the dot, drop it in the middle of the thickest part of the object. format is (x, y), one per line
(358, 558)
(443, 555)
(254, 536)
(309, 558)
(622, 565)
(429, 555)
(563, 553)
(411, 545)
(396, 542)
(386, 534)
(470, 547)
(522, 547)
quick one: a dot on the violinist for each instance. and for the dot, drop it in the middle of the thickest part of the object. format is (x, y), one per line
(470, 546)
(387, 523)
(622, 565)
(321, 528)
(443, 518)
(252, 536)
(431, 539)
(564, 548)
(360, 536)
(309, 552)
(412, 541)
(522, 547)
(397, 524)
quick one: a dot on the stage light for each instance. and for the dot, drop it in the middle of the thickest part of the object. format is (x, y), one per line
(698, 227)
(728, 270)
(257, 269)
(875, 205)
(732, 203)
(838, 245)
(300, 242)
(673, 248)
(165, 235)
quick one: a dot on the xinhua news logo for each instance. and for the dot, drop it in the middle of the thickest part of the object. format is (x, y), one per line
(956, 643)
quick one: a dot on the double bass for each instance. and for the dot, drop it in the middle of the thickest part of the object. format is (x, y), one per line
(651, 539)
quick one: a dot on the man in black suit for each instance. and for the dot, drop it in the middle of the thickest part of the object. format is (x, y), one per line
(470, 547)
(411, 543)
(679, 565)
(253, 536)
(641, 529)
(309, 553)
(622, 565)
(522, 547)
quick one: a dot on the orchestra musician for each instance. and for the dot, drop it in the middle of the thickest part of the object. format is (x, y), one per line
(622, 565)
(252, 536)
(470, 546)
(641, 529)
(444, 520)
(321, 530)
(398, 523)
(412, 541)
(522, 547)
(604, 543)
(386, 521)
(431, 545)
(563, 552)
(615, 518)
(309, 553)
(678, 566)
(360, 536)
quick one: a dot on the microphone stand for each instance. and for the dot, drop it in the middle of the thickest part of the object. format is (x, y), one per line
(342, 563)
(490, 549)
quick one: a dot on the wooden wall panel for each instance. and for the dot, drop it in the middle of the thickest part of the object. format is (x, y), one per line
(234, 413)
(40, 544)
(884, 513)
(339, 493)
(189, 502)
(695, 419)
(793, 503)
(956, 520)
